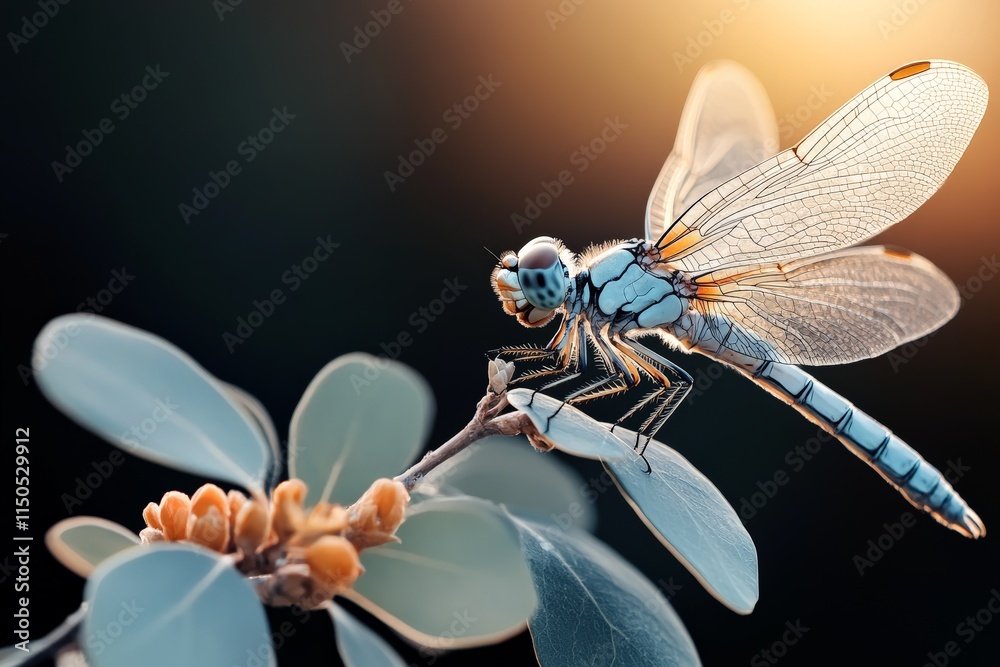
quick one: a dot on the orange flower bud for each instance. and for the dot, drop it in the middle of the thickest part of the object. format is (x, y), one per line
(364, 517)
(208, 496)
(236, 500)
(323, 519)
(334, 562)
(392, 500)
(389, 500)
(175, 508)
(250, 527)
(287, 514)
(210, 529)
(151, 515)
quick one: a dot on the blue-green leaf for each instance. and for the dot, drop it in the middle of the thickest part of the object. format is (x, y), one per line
(165, 605)
(359, 646)
(361, 418)
(566, 427)
(693, 519)
(83, 542)
(142, 394)
(457, 579)
(510, 472)
(594, 608)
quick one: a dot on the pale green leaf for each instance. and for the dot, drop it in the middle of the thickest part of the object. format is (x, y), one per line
(82, 543)
(358, 645)
(142, 394)
(693, 519)
(165, 605)
(361, 418)
(566, 427)
(457, 579)
(595, 608)
(510, 472)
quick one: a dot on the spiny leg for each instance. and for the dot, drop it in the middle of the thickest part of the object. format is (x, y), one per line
(571, 363)
(555, 351)
(674, 381)
(624, 372)
(625, 375)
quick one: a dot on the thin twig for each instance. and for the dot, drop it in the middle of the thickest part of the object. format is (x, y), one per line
(483, 424)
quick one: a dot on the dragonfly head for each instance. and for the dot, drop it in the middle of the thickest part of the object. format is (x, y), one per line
(532, 284)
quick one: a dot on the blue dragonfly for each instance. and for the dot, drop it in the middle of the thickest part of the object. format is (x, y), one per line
(751, 261)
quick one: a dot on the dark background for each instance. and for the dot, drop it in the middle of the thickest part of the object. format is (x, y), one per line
(323, 175)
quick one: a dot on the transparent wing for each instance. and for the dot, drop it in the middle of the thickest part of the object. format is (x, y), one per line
(868, 166)
(727, 126)
(841, 307)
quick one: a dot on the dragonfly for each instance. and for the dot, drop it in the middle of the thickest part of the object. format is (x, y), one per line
(753, 261)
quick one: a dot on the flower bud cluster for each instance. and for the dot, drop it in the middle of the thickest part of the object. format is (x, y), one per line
(327, 537)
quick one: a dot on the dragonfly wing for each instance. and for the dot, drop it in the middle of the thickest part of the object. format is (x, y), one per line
(840, 307)
(868, 166)
(727, 126)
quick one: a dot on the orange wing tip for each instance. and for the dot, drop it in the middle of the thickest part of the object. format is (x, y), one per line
(898, 253)
(909, 70)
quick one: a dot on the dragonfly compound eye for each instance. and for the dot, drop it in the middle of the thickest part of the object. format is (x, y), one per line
(542, 274)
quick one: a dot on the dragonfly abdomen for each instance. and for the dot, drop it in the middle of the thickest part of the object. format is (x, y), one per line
(898, 463)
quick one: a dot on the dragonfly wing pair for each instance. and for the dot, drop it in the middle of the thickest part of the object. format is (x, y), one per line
(769, 254)
(769, 248)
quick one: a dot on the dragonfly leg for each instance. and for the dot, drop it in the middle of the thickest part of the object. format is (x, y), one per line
(561, 351)
(674, 384)
(523, 352)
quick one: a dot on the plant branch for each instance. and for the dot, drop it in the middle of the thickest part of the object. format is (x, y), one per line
(483, 424)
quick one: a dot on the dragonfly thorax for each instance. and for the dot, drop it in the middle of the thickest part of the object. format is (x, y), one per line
(624, 285)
